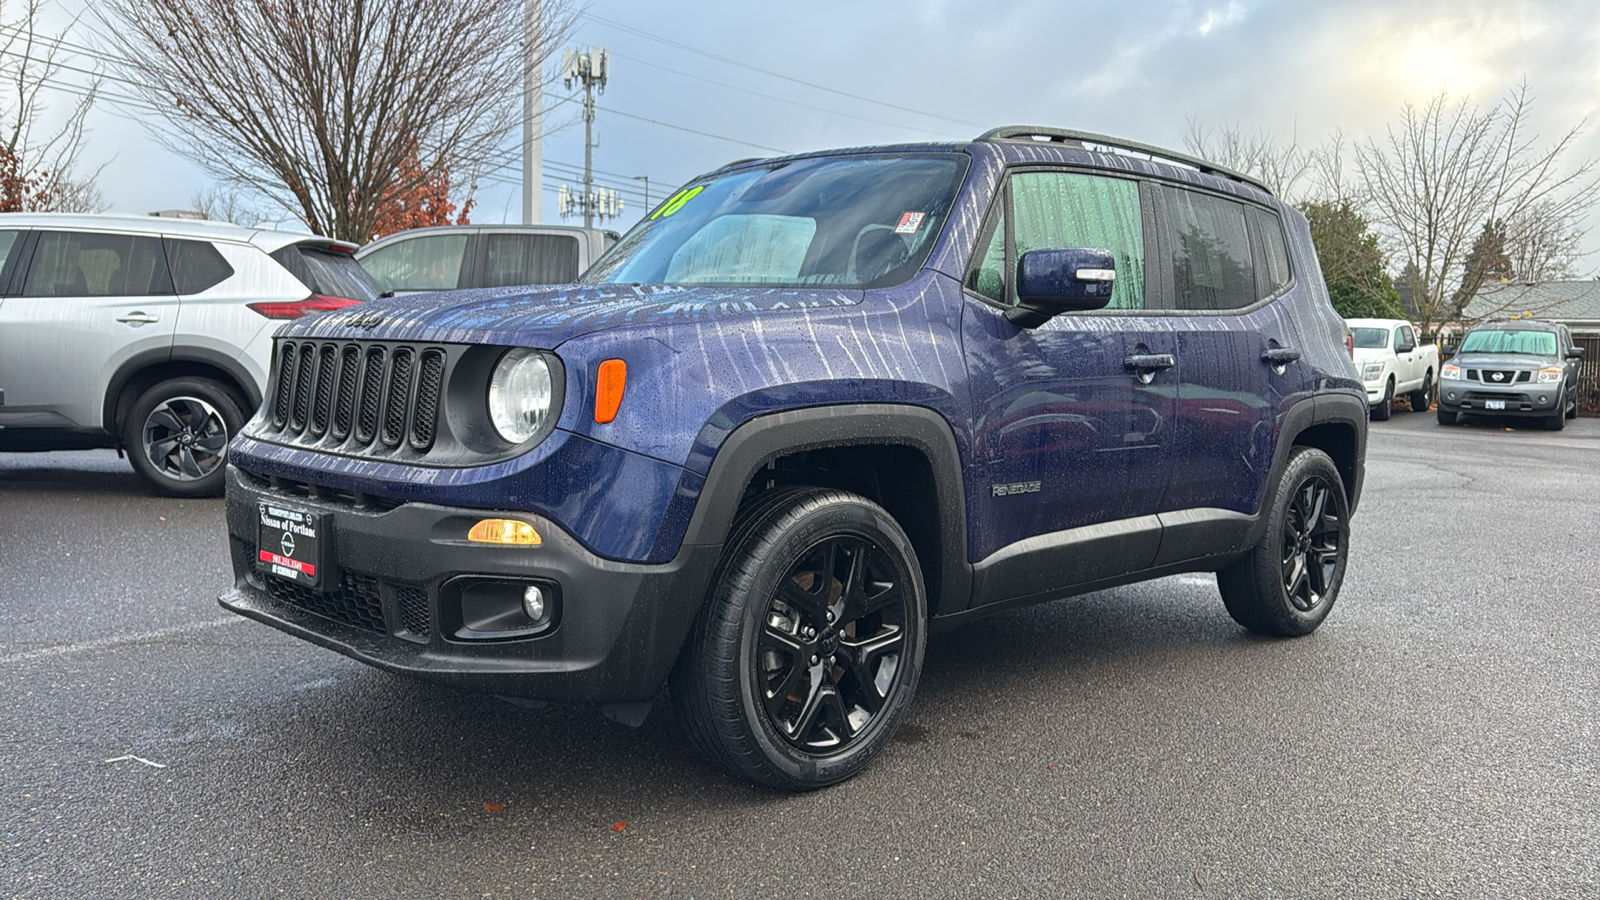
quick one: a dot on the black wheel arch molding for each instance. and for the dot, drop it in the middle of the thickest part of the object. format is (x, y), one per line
(764, 439)
(117, 400)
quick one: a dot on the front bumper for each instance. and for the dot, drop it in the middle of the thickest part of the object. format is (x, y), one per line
(1472, 398)
(387, 598)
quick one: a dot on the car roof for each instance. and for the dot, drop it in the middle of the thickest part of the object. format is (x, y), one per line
(1375, 323)
(480, 227)
(1523, 325)
(268, 239)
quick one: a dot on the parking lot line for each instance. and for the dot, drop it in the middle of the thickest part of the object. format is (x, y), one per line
(103, 643)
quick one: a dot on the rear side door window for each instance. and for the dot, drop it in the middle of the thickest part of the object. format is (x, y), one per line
(529, 259)
(423, 263)
(1209, 244)
(86, 264)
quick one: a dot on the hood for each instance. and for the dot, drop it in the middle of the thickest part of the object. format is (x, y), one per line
(1363, 354)
(1503, 361)
(545, 317)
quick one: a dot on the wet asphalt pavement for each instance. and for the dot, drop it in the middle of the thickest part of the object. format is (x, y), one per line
(1439, 736)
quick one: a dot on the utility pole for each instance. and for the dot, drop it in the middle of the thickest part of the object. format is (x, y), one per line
(533, 113)
(588, 68)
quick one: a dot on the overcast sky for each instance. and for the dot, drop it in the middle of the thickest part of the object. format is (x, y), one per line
(950, 69)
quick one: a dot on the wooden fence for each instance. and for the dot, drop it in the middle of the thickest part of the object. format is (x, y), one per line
(1589, 374)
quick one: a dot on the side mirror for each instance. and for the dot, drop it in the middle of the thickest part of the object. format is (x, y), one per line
(1404, 348)
(1051, 282)
(1574, 353)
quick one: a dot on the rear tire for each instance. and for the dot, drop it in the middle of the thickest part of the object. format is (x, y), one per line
(1422, 398)
(1290, 580)
(804, 661)
(1382, 411)
(177, 434)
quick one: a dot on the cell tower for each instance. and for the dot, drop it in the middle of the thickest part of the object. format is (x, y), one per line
(588, 68)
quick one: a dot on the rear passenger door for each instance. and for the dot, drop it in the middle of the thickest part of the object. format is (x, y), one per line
(88, 302)
(1221, 260)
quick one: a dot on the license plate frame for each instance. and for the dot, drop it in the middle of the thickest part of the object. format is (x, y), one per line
(291, 543)
(1494, 404)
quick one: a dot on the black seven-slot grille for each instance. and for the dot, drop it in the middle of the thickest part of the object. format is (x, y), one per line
(358, 396)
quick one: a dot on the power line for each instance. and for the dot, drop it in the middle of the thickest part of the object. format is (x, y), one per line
(744, 65)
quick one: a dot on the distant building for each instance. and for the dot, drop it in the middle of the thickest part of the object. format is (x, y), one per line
(1575, 304)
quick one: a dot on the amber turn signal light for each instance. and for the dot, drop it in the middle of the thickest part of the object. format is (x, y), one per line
(504, 531)
(609, 385)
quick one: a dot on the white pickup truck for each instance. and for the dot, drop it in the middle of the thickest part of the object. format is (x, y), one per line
(1392, 361)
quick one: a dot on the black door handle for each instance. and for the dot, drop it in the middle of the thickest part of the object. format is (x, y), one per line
(1149, 362)
(1279, 356)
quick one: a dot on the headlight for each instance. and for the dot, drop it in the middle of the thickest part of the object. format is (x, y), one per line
(1371, 371)
(1550, 376)
(521, 395)
(1450, 373)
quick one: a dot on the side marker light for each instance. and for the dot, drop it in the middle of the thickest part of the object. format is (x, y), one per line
(610, 382)
(504, 531)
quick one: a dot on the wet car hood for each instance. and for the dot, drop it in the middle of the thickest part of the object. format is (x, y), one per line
(1503, 361)
(545, 317)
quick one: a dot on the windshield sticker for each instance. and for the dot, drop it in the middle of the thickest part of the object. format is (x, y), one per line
(676, 201)
(909, 223)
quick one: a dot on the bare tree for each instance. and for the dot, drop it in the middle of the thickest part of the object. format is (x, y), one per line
(224, 205)
(319, 105)
(1449, 173)
(38, 164)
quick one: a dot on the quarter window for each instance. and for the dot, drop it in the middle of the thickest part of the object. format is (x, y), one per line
(989, 278)
(196, 266)
(79, 264)
(1068, 210)
(1211, 262)
(1275, 251)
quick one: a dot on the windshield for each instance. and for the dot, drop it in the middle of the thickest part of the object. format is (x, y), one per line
(1532, 343)
(1370, 338)
(843, 222)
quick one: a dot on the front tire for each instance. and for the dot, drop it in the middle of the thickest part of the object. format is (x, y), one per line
(804, 662)
(177, 434)
(1381, 412)
(1422, 398)
(1289, 582)
(1448, 417)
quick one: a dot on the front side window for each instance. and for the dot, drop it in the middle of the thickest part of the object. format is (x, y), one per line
(843, 222)
(85, 264)
(1070, 211)
(1404, 336)
(530, 259)
(428, 263)
(1531, 343)
(1211, 261)
(1370, 338)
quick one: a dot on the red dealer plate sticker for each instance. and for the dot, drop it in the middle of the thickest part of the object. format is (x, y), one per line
(289, 543)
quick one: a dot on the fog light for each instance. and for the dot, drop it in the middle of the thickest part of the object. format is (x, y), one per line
(504, 531)
(1543, 400)
(1450, 396)
(533, 603)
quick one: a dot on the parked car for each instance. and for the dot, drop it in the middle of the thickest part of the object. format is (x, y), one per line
(809, 410)
(1392, 360)
(448, 257)
(1521, 368)
(151, 335)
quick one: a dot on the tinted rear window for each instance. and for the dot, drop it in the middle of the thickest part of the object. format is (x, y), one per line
(530, 259)
(330, 274)
(86, 264)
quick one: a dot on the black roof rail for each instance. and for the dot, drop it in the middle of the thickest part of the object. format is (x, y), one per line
(1080, 138)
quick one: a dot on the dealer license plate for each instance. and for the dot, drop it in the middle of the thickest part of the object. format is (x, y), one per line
(1494, 404)
(289, 543)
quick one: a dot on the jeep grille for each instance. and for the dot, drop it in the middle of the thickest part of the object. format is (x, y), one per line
(358, 397)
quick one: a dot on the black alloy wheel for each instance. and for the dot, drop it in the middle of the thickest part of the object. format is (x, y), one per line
(1289, 581)
(1313, 545)
(804, 661)
(832, 644)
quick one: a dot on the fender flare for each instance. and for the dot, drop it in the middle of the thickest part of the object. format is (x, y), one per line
(1348, 410)
(766, 438)
(136, 364)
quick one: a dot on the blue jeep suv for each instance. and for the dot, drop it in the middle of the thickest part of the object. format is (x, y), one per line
(807, 411)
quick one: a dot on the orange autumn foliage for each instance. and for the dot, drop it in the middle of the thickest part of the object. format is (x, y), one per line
(427, 203)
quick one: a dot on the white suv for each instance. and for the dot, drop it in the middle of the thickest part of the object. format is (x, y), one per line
(151, 335)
